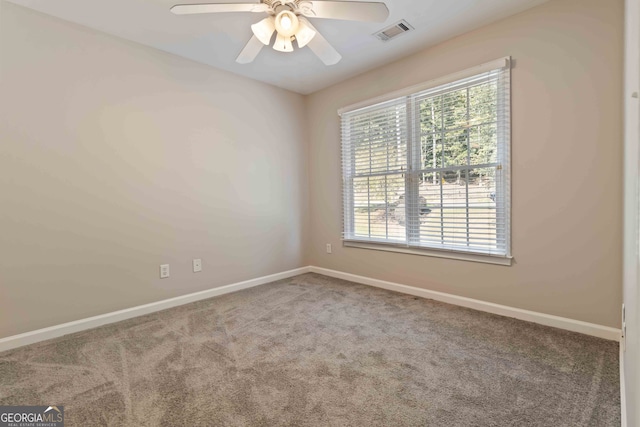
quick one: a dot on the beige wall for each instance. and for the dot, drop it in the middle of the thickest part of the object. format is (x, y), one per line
(115, 158)
(567, 159)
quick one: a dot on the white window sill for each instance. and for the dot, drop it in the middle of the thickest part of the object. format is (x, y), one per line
(462, 256)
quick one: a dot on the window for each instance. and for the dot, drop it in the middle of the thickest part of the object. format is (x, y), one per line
(427, 170)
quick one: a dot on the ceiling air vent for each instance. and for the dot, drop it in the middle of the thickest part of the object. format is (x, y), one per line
(394, 31)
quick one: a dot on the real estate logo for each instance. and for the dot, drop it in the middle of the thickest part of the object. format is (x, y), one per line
(31, 416)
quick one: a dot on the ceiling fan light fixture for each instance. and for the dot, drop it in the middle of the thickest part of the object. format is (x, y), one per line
(287, 23)
(289, 19)
(304, 35)
(264, 29)
(283, 44)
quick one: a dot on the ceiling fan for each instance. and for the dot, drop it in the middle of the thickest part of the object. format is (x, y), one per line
(288, 19)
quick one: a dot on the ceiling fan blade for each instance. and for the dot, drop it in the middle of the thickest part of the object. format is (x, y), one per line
(347, 10)
(322, 48)
(190, 9)
(250, 51)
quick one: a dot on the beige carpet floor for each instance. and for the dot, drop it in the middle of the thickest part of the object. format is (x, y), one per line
(317, 351)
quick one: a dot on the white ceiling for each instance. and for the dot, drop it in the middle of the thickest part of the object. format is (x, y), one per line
(216, 39)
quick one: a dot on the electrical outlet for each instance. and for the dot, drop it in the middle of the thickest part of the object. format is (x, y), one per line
(164, 271)
(197, 265)
(328, 248)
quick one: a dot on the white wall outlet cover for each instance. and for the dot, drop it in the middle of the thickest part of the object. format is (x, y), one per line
(197, 265)
(328, 248)
(164, 271)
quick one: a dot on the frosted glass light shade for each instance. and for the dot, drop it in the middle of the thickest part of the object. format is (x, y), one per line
(264, 29)
(304, 35)
(287, 23)
(283, 44)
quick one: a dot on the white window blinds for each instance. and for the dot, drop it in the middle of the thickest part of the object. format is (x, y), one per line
(430, 168)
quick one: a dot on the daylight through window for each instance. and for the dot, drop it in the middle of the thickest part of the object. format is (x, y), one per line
(430, 169)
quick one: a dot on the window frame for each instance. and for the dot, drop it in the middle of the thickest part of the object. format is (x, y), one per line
(502, 164)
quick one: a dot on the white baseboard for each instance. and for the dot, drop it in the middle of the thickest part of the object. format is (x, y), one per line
(600, 331)
(32, 337)
(623, 390)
